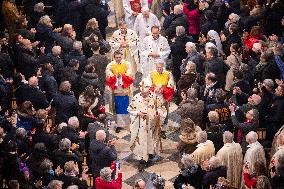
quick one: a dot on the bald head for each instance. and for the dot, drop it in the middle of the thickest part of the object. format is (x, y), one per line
(101, 135)
(251, 137)
(33, 81)
(56, 50)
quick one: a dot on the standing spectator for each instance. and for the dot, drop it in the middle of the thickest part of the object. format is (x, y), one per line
(100, 63)
(96, 9)
(191, 10)
(179, 19)
(215, 65)
(49, 84)
(193, 56)
(214, 170)
(70, 176)
(102, 154)
(65, 103)
(178, 51)
(234, 63)
(54, 58)
(105, 181)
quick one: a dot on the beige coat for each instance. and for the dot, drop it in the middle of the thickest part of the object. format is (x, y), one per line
(234, 62)
(203, 152)
(231, 156)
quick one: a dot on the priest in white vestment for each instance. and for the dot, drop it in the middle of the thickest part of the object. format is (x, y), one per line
(231, 156)
(153, 48)
(131, 10)
(144, 22)
(126, 40)
(279, 151)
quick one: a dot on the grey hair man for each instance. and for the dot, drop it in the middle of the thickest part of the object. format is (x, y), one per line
(255, 152)
(231, 156)
(55, 184)
(205, 148)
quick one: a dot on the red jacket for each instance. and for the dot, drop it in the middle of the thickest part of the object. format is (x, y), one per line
(115, 184)
(249, 182)
(193, 19)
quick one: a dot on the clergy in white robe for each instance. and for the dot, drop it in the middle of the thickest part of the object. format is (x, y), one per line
(275, 143)
(131, 10)
(231, 156)
(255, 153)
(147, 112)
(144, 22)
(126, 40)
(153, 48)
(279, 151)
(205, 149)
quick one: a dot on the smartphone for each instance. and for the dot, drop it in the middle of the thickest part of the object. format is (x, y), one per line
(117, 166)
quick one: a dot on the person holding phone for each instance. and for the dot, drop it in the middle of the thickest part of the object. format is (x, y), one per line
(105, 180)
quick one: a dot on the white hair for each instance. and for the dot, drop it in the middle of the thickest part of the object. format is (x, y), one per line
(228, 137)
(145, 9)
(178, 9)
(235, 17)
(180, 30)
(191, 45)
(214, 162)
(73, 122)
(21, 133)
(100, 135)
(77, 45)
(39, 7)
(55, 184)
(187, 160)
(160, 61)
(201, 137)
(252, 137)
(44, 19)
(214, 35)
(64, 144)
(72, 187)
(105, 174)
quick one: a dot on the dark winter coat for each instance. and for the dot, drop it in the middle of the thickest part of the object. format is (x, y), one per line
(178, 54)
(191, 175)
(89, 79)
(71, 180)
(66, 106)
(211, 177)
(101, 155)
(61, 157)
(218, 67)
(49, 86)
(27, 62)
(178, 20)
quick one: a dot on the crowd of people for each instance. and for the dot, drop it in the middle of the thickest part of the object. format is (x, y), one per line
(220, 62)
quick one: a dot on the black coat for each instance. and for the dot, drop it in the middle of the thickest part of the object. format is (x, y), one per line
(49, 86)
(66, 106)
(89, 79)
(11, 167)
(57, 64)
(209, 25)
(178, 20)
(191, 175)
(46, 36)
(98, 11)
(218, 67)
(6, 65)
(101, 155)
(27, 62)
(69, 74)
(71, 180)
(37, 98)
(178, 54)
(59, 158)
(211, 177)
(77, 56)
